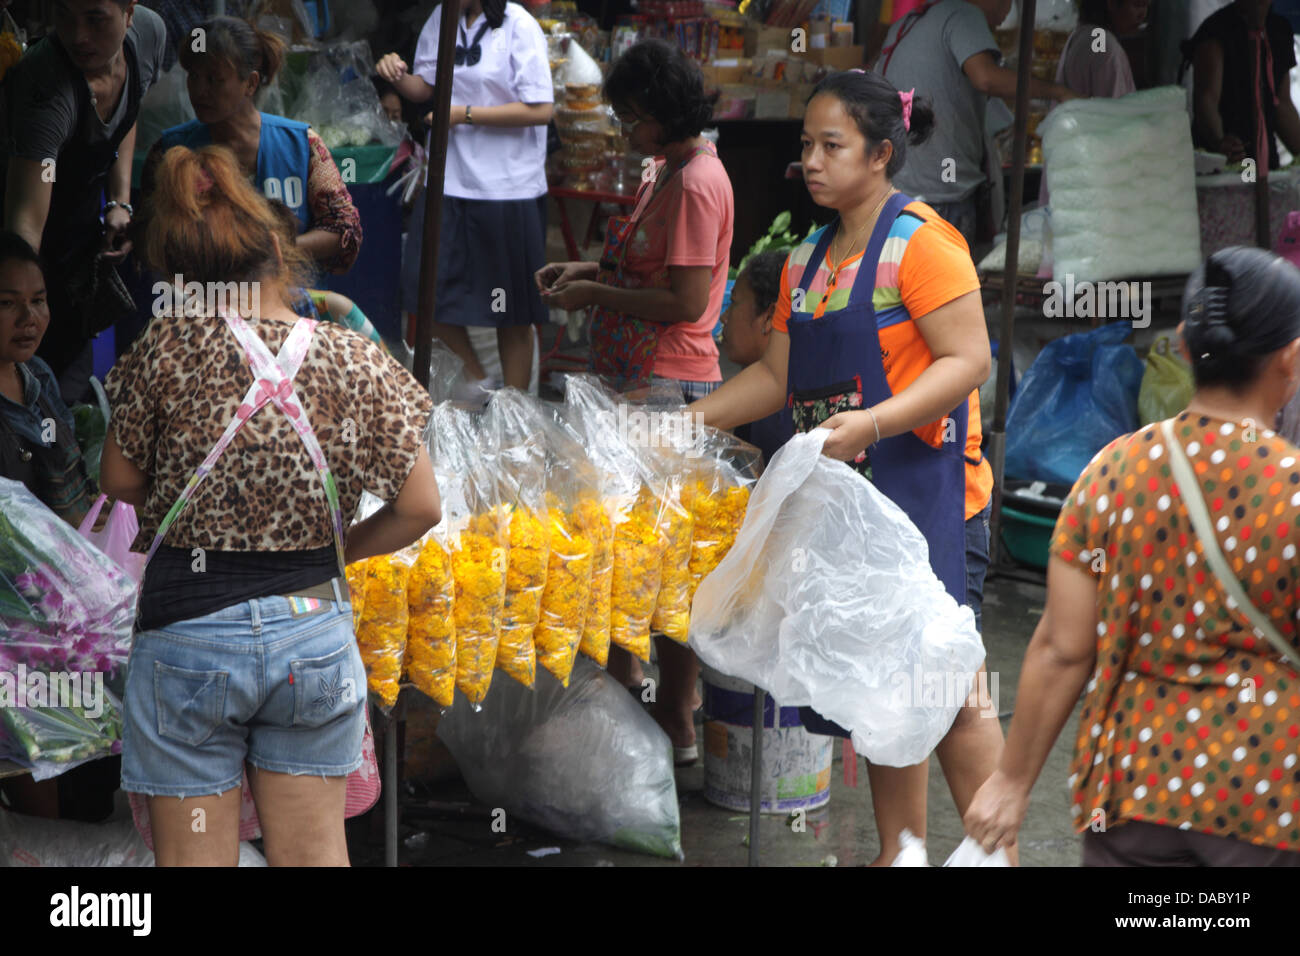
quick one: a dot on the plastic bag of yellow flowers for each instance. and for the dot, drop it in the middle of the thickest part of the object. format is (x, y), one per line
(520, 464)
(635, 501)
(431, 630)
(477, 542)
(717, 496)
(381, 631)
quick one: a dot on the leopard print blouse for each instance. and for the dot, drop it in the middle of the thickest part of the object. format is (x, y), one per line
(173, 394)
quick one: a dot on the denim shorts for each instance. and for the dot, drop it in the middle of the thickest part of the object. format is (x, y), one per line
(277, 682)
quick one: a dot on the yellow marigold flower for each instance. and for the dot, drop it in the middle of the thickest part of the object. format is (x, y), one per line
(718, 516)
(593, 518)
(381, 634)
(566, 596)
(639, 546)
(479, 563)
(356, 577)
(431, 632)
(672, 614)
(530, 545)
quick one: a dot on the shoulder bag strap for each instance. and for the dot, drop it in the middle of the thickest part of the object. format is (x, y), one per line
(1190, 491)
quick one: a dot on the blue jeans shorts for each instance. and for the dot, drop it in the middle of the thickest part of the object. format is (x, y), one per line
(276, 681)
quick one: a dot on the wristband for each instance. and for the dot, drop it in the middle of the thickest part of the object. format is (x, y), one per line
(114, 204)
(469, 115)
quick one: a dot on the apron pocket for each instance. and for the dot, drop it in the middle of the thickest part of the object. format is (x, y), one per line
(810, 407)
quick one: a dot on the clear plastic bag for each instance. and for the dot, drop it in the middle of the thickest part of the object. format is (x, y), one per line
(67, 614)
(717, 498)
(34, 841)
(586, 762)
(970, 853)
(828, 600)
(572, 496)
(636, 503)
(520, 464)
(431, 628)
(478, 541)
(337, 98)
(383, 619)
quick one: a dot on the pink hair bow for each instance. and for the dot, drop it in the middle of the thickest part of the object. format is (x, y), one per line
(907, 106)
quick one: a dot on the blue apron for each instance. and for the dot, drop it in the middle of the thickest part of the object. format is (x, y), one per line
(283, 158)
(835, 366)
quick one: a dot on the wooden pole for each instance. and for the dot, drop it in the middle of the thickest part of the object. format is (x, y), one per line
(998, 434)
(433, 192)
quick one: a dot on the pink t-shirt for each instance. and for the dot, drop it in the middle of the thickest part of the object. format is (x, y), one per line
(688, 223)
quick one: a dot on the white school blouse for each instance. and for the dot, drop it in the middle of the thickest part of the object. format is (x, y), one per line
(485, 162)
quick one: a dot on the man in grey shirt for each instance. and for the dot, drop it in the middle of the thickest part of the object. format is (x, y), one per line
(69, 111)
(946, 52)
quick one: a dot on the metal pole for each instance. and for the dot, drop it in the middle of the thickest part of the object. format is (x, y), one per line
(756, 774)
(998, 436)
(433, 192)
(390, 785)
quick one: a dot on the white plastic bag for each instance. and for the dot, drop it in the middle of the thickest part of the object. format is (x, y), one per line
(585, 762)
(827, 599)
(912, 852)
(971, 853)
(1123, 169)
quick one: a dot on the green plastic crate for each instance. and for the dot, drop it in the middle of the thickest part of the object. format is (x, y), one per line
(1028, 537)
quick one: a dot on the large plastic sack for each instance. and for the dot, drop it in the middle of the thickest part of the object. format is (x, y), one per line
(586, 762)
(478, 541)
(828, 600)
(35, 841)
(1080, 394)
(1167, 383)
(1123, 169)
(636, 507)
(520, 464)
(66, 618)
(117, 535)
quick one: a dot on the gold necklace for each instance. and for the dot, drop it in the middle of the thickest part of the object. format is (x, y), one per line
(870, 219)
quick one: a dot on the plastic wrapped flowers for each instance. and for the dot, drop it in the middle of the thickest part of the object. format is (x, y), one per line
(66, 611)
(431, 629)
(639, 545)
(566, 596)
(381, 635)
(479, 561)
(530, 546)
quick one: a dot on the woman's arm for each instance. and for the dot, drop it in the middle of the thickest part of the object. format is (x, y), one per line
(408, 85)
(415, 510)
(27, 199)
(685, 299)
(1061, 657)
(118, 477)
(959, 343)
(758, 391)
(508, 114)
(334, 236)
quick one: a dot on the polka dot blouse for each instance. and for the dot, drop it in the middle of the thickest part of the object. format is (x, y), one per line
(1190, 720)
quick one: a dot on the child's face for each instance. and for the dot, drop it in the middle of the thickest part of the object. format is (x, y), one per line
(392, 104)
(24, 312)
(744, 338)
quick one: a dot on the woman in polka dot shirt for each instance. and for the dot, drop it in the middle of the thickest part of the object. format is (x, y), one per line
(1186, 751)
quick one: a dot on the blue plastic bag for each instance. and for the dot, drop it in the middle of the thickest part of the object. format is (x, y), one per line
(1080, 393)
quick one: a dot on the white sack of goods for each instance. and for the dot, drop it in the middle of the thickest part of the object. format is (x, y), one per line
(1123, 186)
(827, 599)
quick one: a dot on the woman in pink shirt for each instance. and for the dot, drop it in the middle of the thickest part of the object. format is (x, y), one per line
(657, 291)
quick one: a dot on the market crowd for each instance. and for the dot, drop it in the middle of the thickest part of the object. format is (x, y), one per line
(226, 431)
